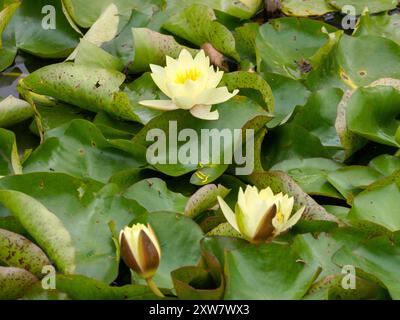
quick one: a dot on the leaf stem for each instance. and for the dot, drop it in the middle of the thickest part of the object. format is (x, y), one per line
(154, 288)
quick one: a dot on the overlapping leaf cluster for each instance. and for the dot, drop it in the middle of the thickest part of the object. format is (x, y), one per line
(325, 106)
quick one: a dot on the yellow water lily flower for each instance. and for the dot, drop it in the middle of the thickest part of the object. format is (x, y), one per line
(140, 249)
(191, 84)
(261, 215)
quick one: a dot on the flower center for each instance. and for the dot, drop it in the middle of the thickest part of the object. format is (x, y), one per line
(279, 217)
(183, 76)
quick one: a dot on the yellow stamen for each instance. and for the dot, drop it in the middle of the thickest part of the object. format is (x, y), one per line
(279, 217)
(183, 76)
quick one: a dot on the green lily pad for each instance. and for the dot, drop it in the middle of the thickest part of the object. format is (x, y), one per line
(249, 80)
(84, 288)
(285, 101)
(291, 142)
(204, 198)
(285, 45)
(151, 48)
(56, 115)
(310, 174)
(239, 9)
(385, 164)
(351, 180)
(9, 158)
(197, 25)
(319, 116)
(378, 257)
(350, 65)
(305, 8)
(75, 213)
(81, 150)
(13, 111)
(379, 204)
(144, 88)
(85, 14)
(383, 25)
(195, 283)
(154, 195)
(268, 271)
(6, 13)
(87, 87)
(234, 114)
(360, 5)
(33, 32)
(17, 251)
(372, 113)
(14, 282)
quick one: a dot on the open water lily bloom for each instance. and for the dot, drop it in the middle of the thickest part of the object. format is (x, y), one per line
(261, 215)
(191, 84)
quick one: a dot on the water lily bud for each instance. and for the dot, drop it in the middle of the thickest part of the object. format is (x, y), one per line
(191, 84)
(140, 249)
(261, 215)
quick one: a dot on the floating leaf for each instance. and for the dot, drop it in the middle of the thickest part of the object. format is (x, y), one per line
(204, 198)
(14, 282)
(13, 110)
(372, 112)
(361, 5)
(17, 251)
(82, 150)
(68, 218)
(197, 24)
(9, 159)
(285, 44)
(267, 271)
(379, 204)
(154, 195)
(305, 8)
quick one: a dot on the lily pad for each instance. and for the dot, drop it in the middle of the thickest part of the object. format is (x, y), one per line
(75, 212)
(372, 113)
(305, 8)
(197, 25)
(13, 111)
(81, 150)
(379, 204)
(9, 158)
(17, 251)
(284, 45)
(383, 25)
(14, 282)
(378, 257)
(361, 5)
(154, 195)
(269, 272)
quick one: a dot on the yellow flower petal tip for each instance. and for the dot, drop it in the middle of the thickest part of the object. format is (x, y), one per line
(191, 84)
(261, 215)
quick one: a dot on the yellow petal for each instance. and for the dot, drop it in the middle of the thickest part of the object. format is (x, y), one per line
(214, 77)
(216, 96)
(228, 213)
(293, 220)
(184, 102)
(185, 58)
(286, 206)
(165, 105)
(203, 112)
(159, 77)
(267, 194)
